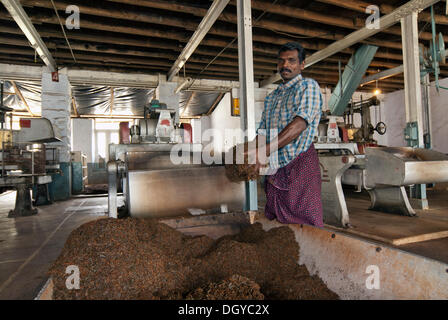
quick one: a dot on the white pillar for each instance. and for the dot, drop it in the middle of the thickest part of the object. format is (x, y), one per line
(165, 93)
(56, 103)
(412, 87)
(413, 93)
(247, 98)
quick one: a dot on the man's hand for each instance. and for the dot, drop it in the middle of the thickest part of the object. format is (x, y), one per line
(257, 156)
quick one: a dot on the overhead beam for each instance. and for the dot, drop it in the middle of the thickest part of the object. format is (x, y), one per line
(215, 103)
(75, 109)
(134, 15)
(383, 75)
(361, 34)
(360, 6)
(120, 40)
(387, 73)
(116, 79)
(111, 100)
(207, 22)
(19, 15)
(22, 98)
(190, 98)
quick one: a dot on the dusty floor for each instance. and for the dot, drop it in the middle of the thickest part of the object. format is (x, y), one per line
(145, 259)
(28, 245)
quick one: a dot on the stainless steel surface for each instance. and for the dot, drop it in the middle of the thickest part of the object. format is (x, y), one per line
(391, 200)
(333, 200)
(39, 131)
(147, 129)
(352, 147)
(164, 193)
(158, 160)
(11, 181)
(405, 166)
(112, 173)
(354, 177)
(118, 151)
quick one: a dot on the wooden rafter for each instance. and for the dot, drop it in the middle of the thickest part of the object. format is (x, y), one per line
(215, 103)
(75, 109)
(193, 94)
(111, 100)
(22, 98)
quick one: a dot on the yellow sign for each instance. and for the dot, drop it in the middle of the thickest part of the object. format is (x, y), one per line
(235, 107)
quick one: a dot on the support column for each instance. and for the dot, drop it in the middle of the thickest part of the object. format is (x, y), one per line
(412, 87)
(165, 93)
(56, 102)
(247, 98)
(413, 96)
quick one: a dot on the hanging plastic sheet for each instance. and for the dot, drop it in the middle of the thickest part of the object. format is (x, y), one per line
(197, 105)
(96, 100)
(30, 91)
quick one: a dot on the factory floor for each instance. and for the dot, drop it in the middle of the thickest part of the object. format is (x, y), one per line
(29, 245)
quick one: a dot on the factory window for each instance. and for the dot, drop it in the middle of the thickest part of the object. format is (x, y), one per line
(106, 132)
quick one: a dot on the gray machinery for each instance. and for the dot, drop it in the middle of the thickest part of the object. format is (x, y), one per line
(356, 159)
(383, 171)
(160, 176)
(23, 161)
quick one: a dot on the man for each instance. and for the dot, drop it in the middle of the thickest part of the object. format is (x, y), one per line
(294, 109)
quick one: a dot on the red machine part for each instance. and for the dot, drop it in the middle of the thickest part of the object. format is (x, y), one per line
(363, 145)
(188, 133)
(344, 134)
(25, 123)
(124, 133)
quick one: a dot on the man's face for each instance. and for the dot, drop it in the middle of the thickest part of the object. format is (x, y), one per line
(289, 65)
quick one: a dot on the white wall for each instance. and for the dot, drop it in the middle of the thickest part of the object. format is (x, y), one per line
(439, 116)
(82, 137)
(199, 126)
(395, 117)
(222, 121)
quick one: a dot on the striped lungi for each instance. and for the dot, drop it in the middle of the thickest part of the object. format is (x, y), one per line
(294, 192)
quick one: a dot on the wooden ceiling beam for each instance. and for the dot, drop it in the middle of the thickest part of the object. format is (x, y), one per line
(135, 15)
(332, 20)
(22, 98)
(75, 109)
(258, 48)
(360, 6)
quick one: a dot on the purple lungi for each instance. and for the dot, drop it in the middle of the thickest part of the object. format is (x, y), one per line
(294, 192)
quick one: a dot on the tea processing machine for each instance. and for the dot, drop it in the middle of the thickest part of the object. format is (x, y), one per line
(23, 161)
(357, 160)
(161, 176)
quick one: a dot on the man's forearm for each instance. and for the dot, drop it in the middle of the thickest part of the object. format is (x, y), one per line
(287, 135)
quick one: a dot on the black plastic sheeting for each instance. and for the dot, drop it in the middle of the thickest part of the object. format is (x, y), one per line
(31, 92)
(198, 105)
(96, 100)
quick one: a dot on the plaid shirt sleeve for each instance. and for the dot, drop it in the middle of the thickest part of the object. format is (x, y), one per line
(308, 104)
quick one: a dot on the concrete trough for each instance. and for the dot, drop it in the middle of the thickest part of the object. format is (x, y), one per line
(352, 267)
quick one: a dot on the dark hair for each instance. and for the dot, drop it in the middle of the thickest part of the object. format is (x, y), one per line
(294, 46)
